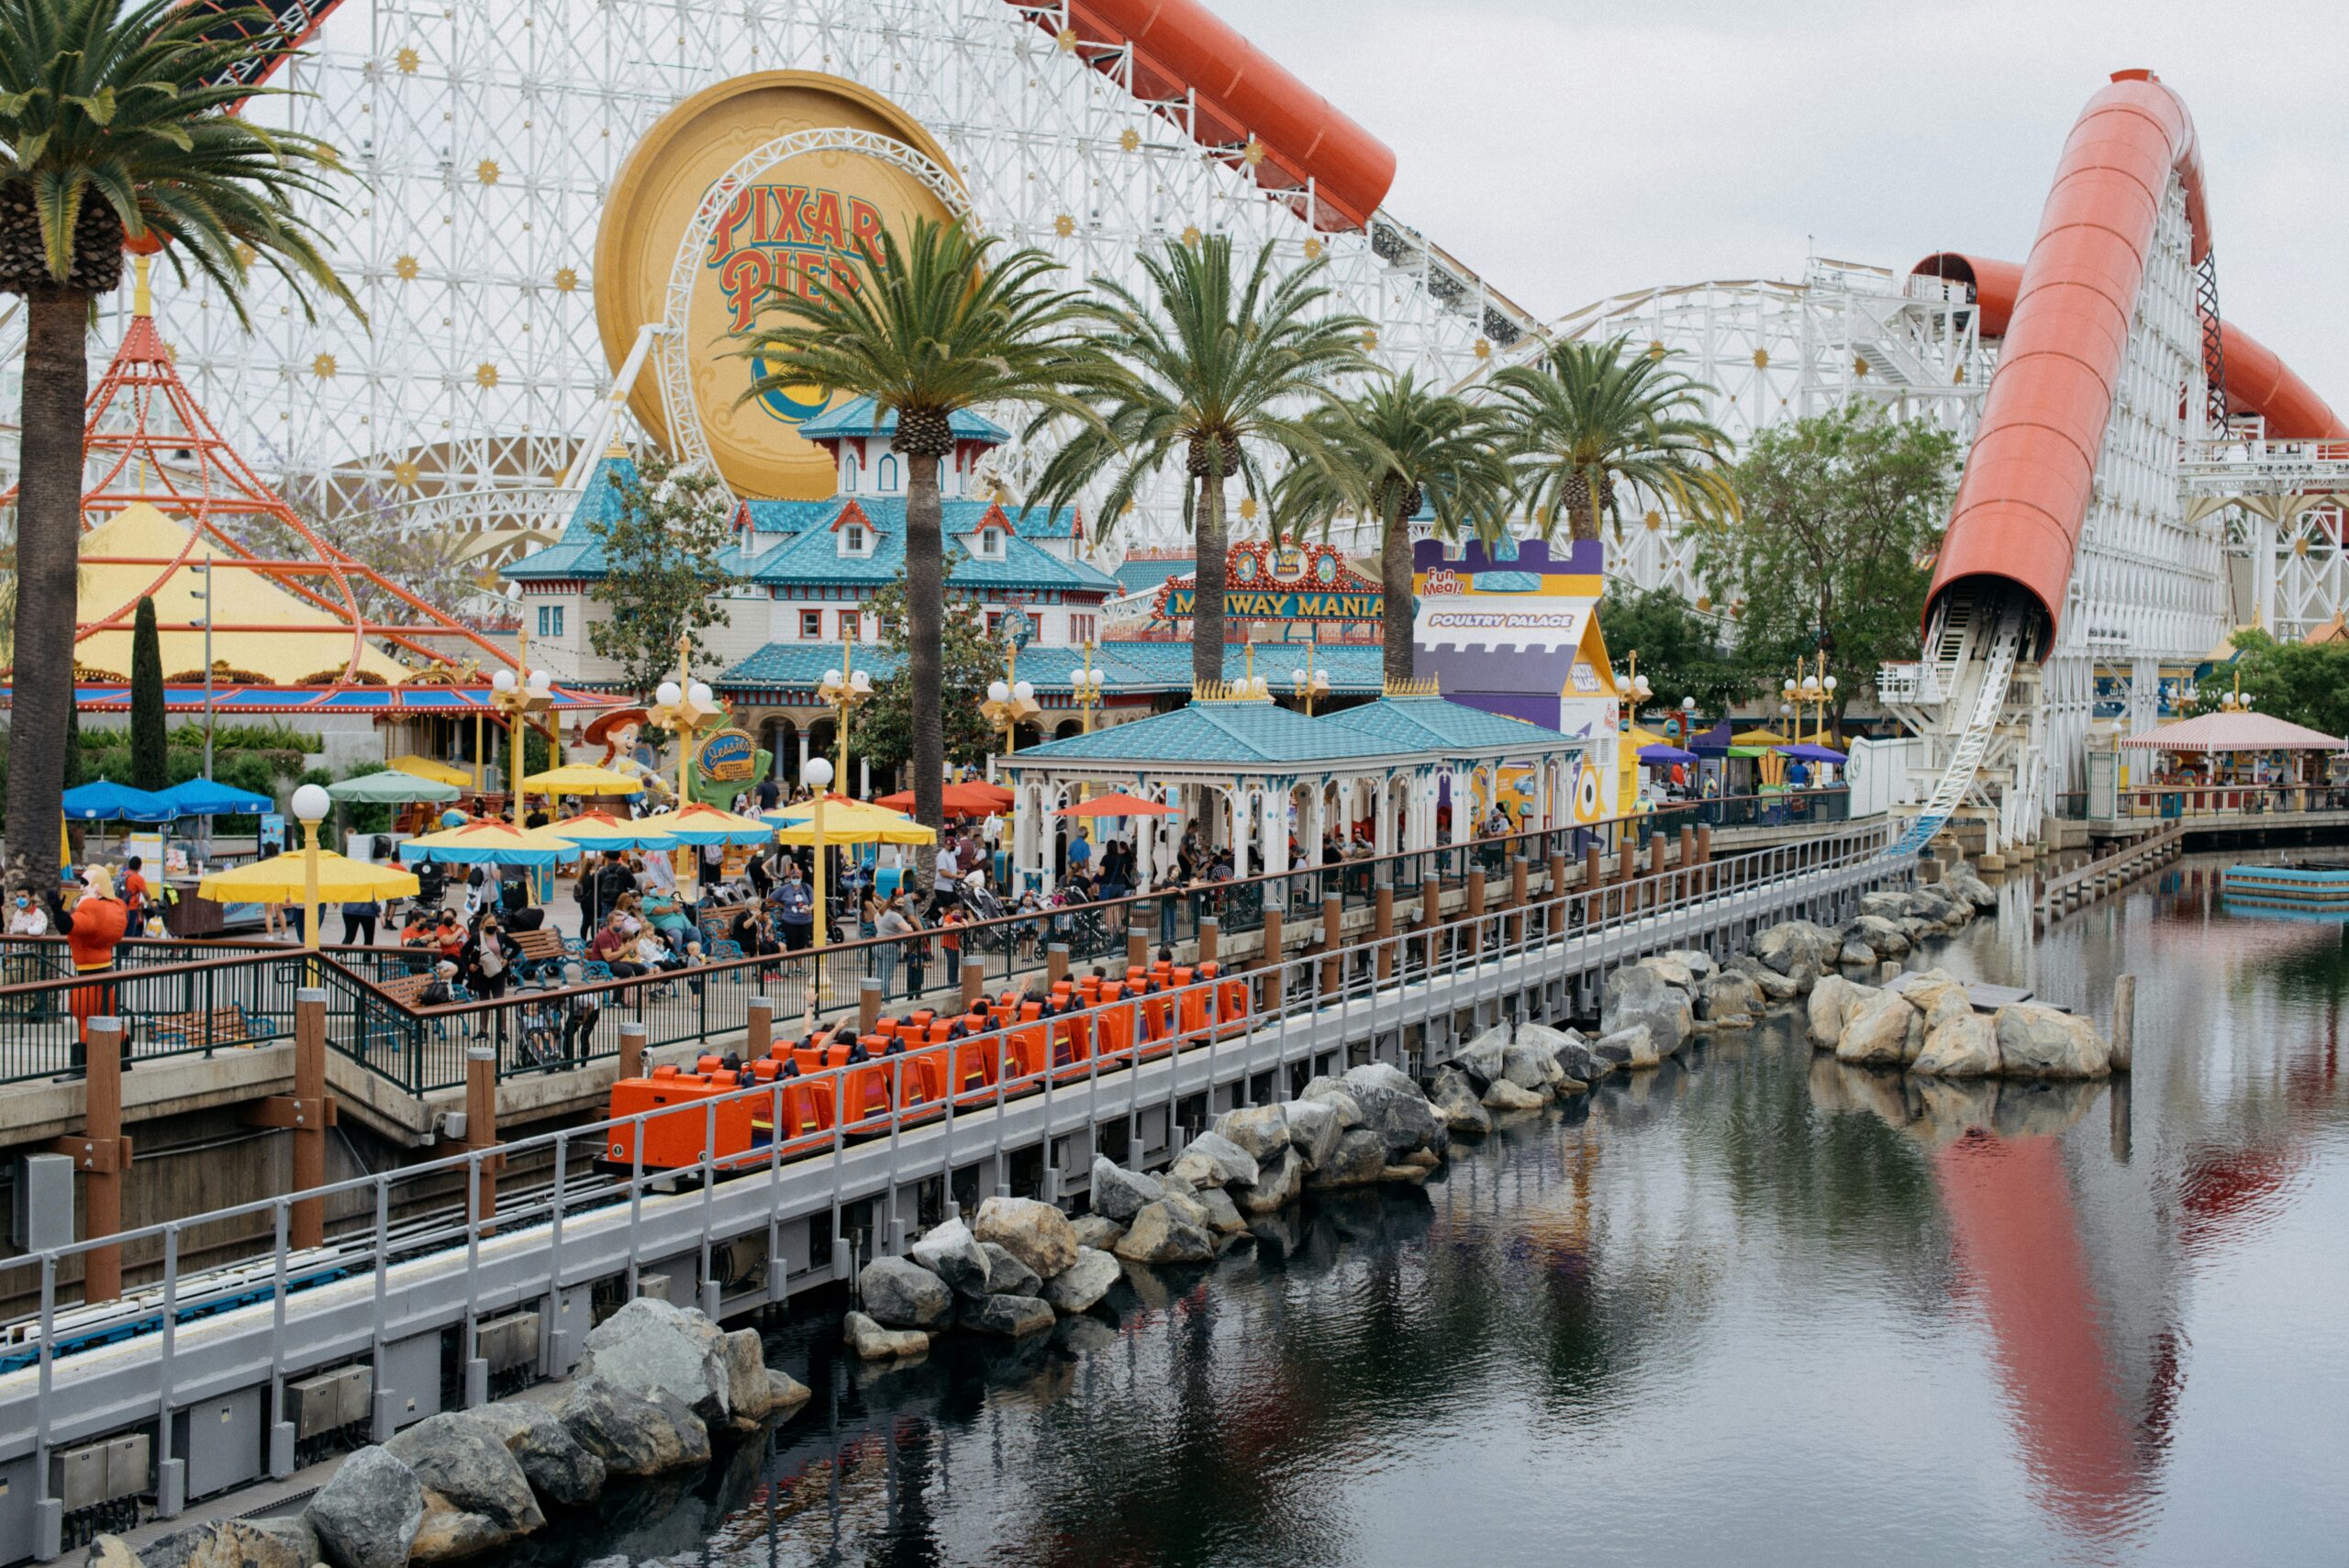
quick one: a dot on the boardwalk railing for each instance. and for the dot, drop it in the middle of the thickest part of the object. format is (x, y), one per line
(543, 1027)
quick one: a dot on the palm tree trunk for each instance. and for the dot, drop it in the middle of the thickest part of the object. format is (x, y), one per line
(1587, 526)
(1394, 623)
(1206, 607)
(925, 618)
(49, 529)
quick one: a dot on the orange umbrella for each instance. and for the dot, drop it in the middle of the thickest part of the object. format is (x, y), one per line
(1116, 804)
(973, 799)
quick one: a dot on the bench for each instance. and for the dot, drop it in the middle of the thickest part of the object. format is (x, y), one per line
(542, 951)
(202, 1030)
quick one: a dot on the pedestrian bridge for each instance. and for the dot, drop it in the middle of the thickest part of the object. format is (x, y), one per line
(437, 1282)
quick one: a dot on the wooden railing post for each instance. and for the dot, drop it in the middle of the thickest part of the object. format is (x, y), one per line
(102, 1156)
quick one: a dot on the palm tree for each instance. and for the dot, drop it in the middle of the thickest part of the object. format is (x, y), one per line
(936, 324)
(116, 127)
(1383, 456)
(1214, 366)
(1589, 418)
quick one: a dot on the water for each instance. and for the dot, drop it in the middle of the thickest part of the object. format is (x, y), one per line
(1754, 1308)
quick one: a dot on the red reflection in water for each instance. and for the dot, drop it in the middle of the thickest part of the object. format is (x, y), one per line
(2018, 1243)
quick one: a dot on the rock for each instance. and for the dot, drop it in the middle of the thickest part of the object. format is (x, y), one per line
(1634, 996)
(223, 1543)
(108, 1551)
(1629, 1049)
(1671, 971)
(1574, 1054)
(449, 1534)
(746, 1378)
(1727, 997)
(1394, 1107)
(1263, 1130)
(1505, 1096)
(1696, 960)
(558, 1466)
(1009, 1317)
(1277, 1185)
(465, 1460)
(1790, 945)
(1856, 954)
(1481, 1058)
(1159, 1235)
(1884, 902)
(1833, 1001)
(649, 1346)
(1887, 1032)
(899, 1294)
(1098, 1232)
(952, 1252)
(1210, 1160)
(1314, 1126)
(633, 1434)
(1118, 1192)
(1885, 938)
(870, 1341)
(1961, 882)
(785, 1393)
(1037, 1234)
(1184, 1203)
(1963, 1046)
(2038, 1041)
(1778, 987)
(1530, 1067)
(1939, 999)
(1223, 1215)
(1360, 1157)
(1328, 1091)
(368, 1512)
(1455, 1099)
(1006, 1275)
(1082, 1285)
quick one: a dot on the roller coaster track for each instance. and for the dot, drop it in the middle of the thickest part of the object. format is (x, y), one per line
(1989, 678)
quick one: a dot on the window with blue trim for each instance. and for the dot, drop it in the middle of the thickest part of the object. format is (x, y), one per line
(889, 474)
(549, 620)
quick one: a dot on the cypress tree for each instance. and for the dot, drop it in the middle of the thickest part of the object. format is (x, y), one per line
(77, 774)
(149, 757)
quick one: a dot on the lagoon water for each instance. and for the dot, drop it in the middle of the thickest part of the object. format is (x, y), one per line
(1750, 1308)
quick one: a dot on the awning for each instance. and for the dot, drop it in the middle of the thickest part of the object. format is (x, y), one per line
(2234, 732)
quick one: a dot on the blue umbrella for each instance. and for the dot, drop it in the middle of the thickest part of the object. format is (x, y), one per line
(208, 797)
(1665, 754)
(1807, 753)
(106, 801)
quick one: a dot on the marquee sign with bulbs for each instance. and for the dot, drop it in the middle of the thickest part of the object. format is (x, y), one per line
(1266, 582)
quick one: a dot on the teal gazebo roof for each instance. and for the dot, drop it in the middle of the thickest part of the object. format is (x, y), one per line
(1253, 737)
(1437, 723)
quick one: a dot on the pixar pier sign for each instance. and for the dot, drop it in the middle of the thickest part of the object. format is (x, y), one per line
(794, 237)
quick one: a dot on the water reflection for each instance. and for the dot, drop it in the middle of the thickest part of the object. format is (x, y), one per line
(1756, 1306)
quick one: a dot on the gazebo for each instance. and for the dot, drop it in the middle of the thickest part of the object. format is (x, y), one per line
(1248, 771)
(2235, 733)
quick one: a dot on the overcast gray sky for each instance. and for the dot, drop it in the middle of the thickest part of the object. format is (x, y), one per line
(1569, 149)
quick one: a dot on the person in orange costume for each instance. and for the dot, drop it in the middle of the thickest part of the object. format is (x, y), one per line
(92, 927)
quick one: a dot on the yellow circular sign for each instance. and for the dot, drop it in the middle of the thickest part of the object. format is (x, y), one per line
(792, 226)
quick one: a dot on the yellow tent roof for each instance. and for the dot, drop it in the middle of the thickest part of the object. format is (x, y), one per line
(280, 880)
(1639, 737)
(426, 768)
(579, 778)
(1759, 738)
(303, 640)
(855, 822)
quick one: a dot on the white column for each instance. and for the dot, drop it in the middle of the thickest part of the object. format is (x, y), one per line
(1240, 803)
(803, 754)
(1274, 827)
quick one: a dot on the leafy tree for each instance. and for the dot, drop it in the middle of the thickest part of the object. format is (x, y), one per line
(115, 131)
(1832, 551)
(2300, 682)
(1384, 455)
(1680, 651)
(884, 726)
(664, 579)
(927, 327)
(1590, 419)
(1215, 367)
(149, 752)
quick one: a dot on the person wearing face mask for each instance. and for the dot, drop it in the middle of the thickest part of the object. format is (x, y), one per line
(25, 918)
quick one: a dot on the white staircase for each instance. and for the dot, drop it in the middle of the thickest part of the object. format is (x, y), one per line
(1979, 695)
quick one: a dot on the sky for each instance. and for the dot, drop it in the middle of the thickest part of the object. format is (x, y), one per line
(1570, 149)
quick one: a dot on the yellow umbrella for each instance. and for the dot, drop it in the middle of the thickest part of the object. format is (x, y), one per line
(850, 821)
(1639, 737)
(426, 768)
(700, 824)
(1759, 738)
(581, 779)
(601, 831)
(490, 842)
(279, 879)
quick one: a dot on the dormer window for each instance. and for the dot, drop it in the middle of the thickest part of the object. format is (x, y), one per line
(987, 544)
(856, 541)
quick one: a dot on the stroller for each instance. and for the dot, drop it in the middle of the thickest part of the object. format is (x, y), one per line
(983, 906)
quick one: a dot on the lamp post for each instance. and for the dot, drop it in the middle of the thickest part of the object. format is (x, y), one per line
(1632, 690)
(518, 697)
(1808, 686)
(1010, 700)
(819, 773)
(1090, 690)
(202, 567)
(1308, 681)
(311, 804)
(841, 690)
